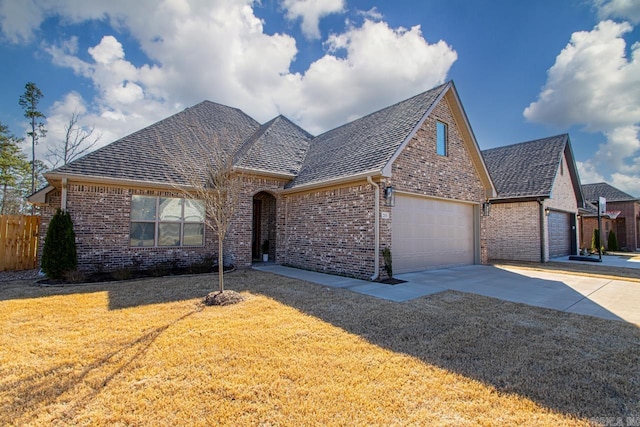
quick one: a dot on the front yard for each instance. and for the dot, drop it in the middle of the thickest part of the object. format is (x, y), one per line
(149, 353)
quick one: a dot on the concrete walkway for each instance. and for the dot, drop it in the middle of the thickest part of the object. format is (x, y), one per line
(602, 297)
(607, 260)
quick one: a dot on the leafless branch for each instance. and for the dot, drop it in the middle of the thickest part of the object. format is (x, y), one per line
(77, 141)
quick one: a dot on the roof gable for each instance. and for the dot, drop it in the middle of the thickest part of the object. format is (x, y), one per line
(366, 144)
(601, 189)
(279, 146)
(529, 169)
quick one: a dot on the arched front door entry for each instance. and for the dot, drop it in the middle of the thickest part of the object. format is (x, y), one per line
(263, 235)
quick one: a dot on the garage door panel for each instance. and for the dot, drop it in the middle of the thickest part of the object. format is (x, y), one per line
(559, 227)
(429, 233)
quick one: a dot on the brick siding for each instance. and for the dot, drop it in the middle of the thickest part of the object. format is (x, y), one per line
(420, 170)
(513, 229)
(331, 230)
(101, 217)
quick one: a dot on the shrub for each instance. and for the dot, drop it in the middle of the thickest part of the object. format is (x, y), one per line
(59, 254)
(612, 241)
(595, 240)
(160, 269)
(122, 274)
(388, 261)
(75, 276)
(204, 266)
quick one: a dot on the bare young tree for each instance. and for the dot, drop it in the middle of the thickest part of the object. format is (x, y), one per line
(205, 172)
(77, 141)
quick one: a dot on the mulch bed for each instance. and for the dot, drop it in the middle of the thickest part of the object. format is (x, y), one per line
(391, 281)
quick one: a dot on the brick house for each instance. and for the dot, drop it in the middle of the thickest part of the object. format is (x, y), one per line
(410, 177)
(533, 217)
(622, 216)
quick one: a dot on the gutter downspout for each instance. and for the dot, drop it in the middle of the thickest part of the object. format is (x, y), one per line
(376, 230)
(63, 197)
(542, 239)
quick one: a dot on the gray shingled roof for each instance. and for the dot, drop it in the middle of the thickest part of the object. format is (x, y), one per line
(601, 189)
(140, 156)
(527, 169)
(278, 146)
(366, 144)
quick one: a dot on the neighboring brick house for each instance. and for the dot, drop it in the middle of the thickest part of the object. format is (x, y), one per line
(323, 203)
(533, 218)
(622, 216)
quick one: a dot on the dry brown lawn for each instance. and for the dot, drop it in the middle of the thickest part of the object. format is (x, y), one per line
(149, 353)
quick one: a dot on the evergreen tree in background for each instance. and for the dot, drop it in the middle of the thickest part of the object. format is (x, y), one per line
(595, 240)
(29, 101)
(14, 168)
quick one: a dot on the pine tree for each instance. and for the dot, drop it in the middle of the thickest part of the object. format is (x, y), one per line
(59, 254)
(29, 101)
(595, 240)
(14, 167)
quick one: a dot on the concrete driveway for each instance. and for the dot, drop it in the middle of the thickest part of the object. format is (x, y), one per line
(602, 297)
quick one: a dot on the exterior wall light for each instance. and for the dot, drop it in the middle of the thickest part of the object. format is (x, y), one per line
(486, 208)
(389, 196)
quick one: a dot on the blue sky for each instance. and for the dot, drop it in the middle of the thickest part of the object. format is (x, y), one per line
(523, 69)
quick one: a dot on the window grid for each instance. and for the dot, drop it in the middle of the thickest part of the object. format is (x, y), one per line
(158, 222)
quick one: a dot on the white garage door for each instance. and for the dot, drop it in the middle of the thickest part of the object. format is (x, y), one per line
(430, 233)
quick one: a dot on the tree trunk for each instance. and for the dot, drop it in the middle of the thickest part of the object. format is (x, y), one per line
(4, 198)
(220, 263)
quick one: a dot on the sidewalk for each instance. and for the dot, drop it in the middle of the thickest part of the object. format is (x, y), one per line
(607, 260)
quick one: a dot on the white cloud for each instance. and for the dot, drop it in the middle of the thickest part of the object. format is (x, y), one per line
(218, 50)
(622, 144)
(628, 183)
(588, 173)
(367, 68)
(623, 9)
(371, 14)
(19, 19)
(311, 11)
(593, 84)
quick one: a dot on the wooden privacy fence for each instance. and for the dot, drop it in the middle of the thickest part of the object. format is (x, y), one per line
(18, 242)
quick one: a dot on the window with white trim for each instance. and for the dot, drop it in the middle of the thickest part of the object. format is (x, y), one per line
(166, 221)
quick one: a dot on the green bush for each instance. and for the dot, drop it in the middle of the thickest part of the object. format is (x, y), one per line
(59, 254)
(595, 240)
(612, 241)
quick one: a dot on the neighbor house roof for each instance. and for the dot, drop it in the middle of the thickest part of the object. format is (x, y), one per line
(144, 155)
(529, 169)
(601, 189)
